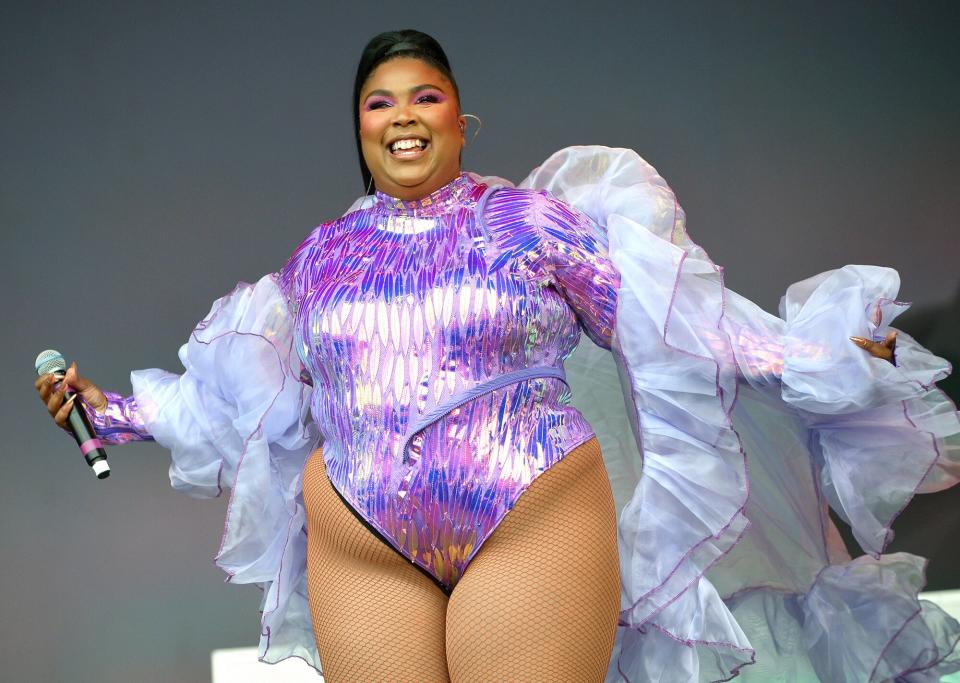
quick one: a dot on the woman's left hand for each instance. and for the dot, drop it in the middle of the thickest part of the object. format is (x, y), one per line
(885, 349)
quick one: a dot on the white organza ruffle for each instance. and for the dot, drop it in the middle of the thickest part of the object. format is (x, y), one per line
(237, 418)
(706, 593)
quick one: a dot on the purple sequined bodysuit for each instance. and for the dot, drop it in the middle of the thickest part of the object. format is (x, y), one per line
(434, 332)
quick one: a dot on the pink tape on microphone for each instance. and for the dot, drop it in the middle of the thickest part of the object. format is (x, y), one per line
(90, 445)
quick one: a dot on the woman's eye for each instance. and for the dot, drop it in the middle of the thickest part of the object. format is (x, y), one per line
(432, 99)
(378, 104)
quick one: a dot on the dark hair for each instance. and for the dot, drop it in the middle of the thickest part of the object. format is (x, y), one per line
(389, 45)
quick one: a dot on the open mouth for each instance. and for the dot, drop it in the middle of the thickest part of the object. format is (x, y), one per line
(408, 147)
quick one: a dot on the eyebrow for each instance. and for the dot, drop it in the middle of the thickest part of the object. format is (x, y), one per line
(415, 89)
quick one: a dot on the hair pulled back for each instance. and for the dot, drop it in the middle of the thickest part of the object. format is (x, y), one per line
(389, 45)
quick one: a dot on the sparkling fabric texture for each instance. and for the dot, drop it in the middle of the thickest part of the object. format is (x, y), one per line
(120, 422)
(435, 332)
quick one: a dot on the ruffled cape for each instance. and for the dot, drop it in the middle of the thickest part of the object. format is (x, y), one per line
(721, 476)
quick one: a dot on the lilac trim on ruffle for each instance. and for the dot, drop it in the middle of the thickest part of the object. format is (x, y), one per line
(802, 596)
(727, 411)
(707, 643)
(243, 454)
(888, 524)
(906, 623)
(903, 626)
(257, 431)
(259, 428)
(276, 606)
(734, 671)
(890, 642)
(676, 568)
(937, 662)
(936, 459)
(888, 537)
(732, 519)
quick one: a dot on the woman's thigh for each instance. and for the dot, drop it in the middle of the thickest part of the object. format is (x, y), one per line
(375, 617)
(540, 599)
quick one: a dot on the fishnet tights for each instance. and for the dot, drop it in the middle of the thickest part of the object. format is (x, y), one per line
(539, 601)
(375, 617)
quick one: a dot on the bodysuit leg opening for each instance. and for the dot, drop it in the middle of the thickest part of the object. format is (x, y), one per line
(386, 541)
(481, 541)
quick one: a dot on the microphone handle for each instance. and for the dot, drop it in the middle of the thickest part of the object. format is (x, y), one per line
(93, 451)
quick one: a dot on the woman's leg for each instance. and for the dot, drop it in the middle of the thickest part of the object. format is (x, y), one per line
(375, 617)
(540, 599)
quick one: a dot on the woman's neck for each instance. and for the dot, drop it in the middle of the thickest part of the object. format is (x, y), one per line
(441, 200)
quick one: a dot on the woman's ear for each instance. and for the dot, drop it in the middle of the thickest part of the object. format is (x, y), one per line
(462, 120)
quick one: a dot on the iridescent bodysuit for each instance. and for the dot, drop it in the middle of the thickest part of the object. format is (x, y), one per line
(434, 333)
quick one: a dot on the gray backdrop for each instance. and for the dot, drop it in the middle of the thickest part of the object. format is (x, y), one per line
(154, 154)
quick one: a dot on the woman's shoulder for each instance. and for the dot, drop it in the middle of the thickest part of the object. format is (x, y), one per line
(323, 231)
(292, 271)
(537, 208)
(524, 196)
(322, 234)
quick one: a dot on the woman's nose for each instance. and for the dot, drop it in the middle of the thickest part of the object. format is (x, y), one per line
(403, 115)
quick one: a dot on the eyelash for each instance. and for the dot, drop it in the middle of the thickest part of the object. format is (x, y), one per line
(430, 99)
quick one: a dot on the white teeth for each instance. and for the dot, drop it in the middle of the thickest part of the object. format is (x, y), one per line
(409, 143)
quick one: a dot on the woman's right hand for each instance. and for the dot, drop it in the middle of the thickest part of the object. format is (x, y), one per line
(52, 393)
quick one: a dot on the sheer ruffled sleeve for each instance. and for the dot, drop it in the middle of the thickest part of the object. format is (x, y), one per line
(884, 431)
(743, 426)
(237, 418)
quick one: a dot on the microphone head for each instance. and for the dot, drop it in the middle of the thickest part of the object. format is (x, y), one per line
(50, 361)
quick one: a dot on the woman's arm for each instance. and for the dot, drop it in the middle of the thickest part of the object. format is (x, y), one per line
(115, 419)
(576, 255)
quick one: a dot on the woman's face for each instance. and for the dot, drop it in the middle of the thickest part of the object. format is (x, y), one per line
(408, 100)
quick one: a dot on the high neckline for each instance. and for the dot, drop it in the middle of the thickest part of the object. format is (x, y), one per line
(440, 201)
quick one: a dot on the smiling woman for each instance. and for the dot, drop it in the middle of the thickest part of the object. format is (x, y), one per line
(405, 90)
(463, 521)
(411, 130)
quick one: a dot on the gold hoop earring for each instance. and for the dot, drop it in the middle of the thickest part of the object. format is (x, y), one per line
(477, 131)
(370, 184)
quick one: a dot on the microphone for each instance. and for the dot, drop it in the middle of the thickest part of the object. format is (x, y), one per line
(90, 446)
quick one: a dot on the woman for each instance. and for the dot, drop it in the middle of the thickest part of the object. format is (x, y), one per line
(460, 520)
